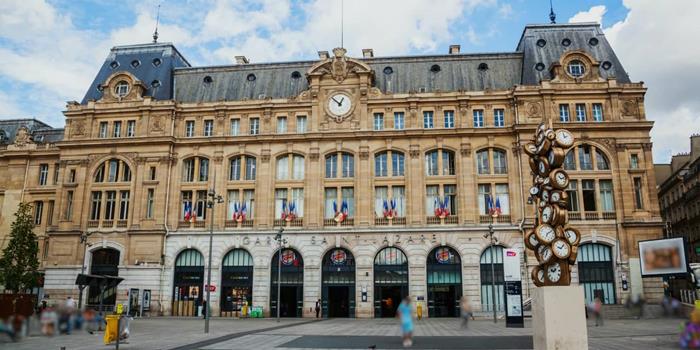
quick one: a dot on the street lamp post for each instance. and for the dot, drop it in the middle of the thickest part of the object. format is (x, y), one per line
(492, 241)
(213, 199)
(83, 241)
(278, 238)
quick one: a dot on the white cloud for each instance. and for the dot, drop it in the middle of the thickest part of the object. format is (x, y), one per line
(505, 10)
(656, 44)
(595, 14)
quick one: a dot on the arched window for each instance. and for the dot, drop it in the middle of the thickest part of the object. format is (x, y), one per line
(112, 170)
(389, 162)
(242, 167)
(439, 162)
(390, 281)
(491, 255)
(342, 163)
(195, 169)
(236, 281)
(290, 164)
(590, 186)
(595, 272)
(444, 282)
(188, 282)
(491, 161)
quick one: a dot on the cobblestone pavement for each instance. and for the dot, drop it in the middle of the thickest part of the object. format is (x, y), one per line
(260, 334)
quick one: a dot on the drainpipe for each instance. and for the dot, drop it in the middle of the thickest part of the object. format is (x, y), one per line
(167, 205)
(24, 185)
(522, 195)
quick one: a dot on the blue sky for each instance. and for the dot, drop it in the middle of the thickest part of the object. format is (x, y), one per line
(51, 50)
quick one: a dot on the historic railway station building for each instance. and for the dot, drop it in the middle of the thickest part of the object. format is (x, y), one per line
(378, 168)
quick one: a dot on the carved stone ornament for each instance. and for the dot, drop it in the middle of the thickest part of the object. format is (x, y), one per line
(629, 107)
(532, 109)
(78, 127)
(339, 67)
(414, 153)
(364, 152)
(465, 149)
(157, 123)
(22, 137)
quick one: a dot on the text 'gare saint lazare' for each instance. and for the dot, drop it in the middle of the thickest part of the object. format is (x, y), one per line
(383, 172)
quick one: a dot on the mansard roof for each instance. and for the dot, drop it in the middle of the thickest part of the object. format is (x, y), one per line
(39, 131)
(450, 72)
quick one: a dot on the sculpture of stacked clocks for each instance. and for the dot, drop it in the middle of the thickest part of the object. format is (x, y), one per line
(554, 242)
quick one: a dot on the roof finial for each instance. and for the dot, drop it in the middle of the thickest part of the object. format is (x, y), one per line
(342, 17)
(552, 16)
(155, 33)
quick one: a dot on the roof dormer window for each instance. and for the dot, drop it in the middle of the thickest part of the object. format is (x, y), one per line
(114, 64)
(576, 68)
(121, 89)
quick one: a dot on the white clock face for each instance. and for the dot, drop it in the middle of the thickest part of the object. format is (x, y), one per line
(339, 104)
(554, 272)
(545, 252)
(546, 233)
(571, 236)
(561, 179)
(555, 197)
(545, 195)
(534, 190)
(540, 275)
(547, 214)
(561, 249)
(533, 240)
(565, 138)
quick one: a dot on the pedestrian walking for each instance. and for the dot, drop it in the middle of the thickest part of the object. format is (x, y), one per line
(405, 314)
(465, 311)
(318, 308)
(595, 309)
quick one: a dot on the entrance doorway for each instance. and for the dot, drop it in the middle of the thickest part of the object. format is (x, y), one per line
(236, 282)
(444, 282)
(291, 299)
(595, 272)
(390, 281)
(338, 284)
(188, 283)
(105, 261)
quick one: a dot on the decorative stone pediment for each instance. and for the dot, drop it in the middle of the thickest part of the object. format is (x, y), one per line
(339, 66)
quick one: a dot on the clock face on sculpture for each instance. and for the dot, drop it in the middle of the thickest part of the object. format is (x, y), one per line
(531, 240)
(544, 254)
(564, 138)
(559, 178)
(538, 276)
(339, 105)
(554, 272)
(545, 196)
(545, 233)
(547, 213)
(572, 235)
(561, 248)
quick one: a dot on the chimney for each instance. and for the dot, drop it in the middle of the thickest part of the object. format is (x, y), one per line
(694, 147)
(454, 49)
(367, 53)
(241, 60)
(323, 55)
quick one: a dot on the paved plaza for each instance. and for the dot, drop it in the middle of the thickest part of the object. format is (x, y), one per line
(260, 334)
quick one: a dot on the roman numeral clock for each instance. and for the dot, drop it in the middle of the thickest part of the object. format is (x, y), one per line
(553, 241)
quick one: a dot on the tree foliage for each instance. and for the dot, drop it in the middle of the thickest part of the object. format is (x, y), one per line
(19, 263)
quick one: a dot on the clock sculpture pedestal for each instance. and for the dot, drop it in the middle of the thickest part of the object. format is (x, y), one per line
(559, 319)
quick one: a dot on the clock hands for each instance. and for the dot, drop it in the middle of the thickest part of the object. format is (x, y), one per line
(336, 101)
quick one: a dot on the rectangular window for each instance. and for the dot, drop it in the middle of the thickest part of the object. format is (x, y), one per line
(432, 193)
(189, 128)
(117, 130)
(281, 125)
(38, 210)
(68, 212)
(208, 127)
(584, 157)
(71, 176)
(428, 120)
(235, 169)
(348, 196)
(233, 204)
(588, 194)
(398, 194)
(449, 119)
(638, 200)
(130, 128)
(478, 118)
(606, 196)
(332, 166)
(187, 206)
(484, 194)
(123, 205)
(235, 127)
(348, 165)
(297, 167)
(280, 202)
(451, 197)
(381, 194)
(563, 113)
(49, 213)
(152, 173)
(110, 204)
(113, 170)
(249, 202)
(150, 196)
(502, 198)
(397, 164)
(634, 161)
(298, 200)
(250, 168)
(43, 174)
(570, 161)
(482, 162)
(201, 205)
(95, 205)
(597, 112)
(203, 169)
(330, 198)
(398, 121)
(499, 120)
(56, 168)
(431, 164)
(572, 191)
(378, 121)
(499, 162)
(580, 112)
(448, 163)
(301, 124)
(380, 165)
(103, 130)
(283, 168)
(254, 126)
(188, 170)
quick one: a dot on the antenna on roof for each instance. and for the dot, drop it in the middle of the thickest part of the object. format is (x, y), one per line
(342, 16)
(552, 16)
(155, 33)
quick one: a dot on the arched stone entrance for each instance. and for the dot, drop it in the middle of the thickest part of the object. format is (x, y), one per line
(105, 261)
(236, 281)
(390, 281)
(338, 283)
(596, 272)
(444, 275)
(292, 284)
(188, 283)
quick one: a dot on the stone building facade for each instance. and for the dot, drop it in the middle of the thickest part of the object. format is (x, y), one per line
(377, 168)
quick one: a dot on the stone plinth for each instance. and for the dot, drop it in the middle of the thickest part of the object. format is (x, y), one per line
(559, 319)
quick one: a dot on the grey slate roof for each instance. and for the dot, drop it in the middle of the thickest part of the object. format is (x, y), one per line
(554, 34)
(146, 71)
(458, 72)
(40, 131)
